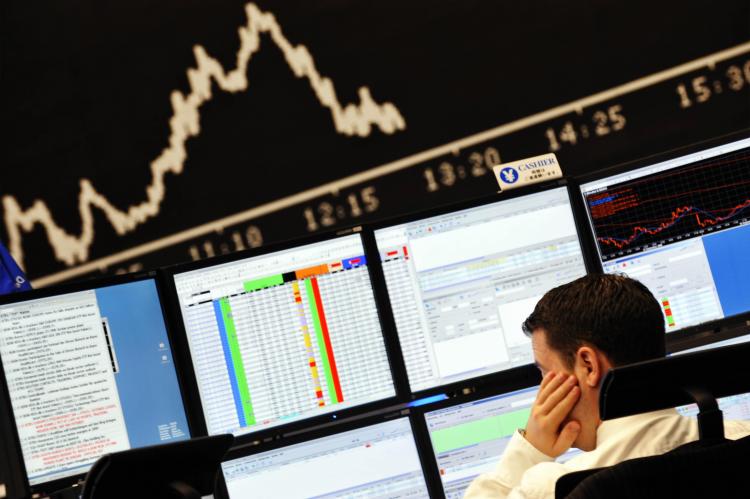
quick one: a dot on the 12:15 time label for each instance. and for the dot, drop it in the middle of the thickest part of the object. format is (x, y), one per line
(354, 205)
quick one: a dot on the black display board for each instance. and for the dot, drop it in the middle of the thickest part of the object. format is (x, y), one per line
(124, 151)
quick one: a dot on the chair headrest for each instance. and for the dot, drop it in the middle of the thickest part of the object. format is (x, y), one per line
(662, 383)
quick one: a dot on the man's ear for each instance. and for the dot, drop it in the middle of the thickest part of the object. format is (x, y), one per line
(591, 365)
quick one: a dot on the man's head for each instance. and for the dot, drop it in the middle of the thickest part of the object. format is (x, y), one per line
(588, 326)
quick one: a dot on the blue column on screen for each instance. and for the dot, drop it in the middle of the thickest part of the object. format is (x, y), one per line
(229, 364)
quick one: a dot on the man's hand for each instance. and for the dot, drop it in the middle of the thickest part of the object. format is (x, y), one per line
(557, 396)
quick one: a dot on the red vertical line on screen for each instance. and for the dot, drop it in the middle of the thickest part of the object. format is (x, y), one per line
(327, 339)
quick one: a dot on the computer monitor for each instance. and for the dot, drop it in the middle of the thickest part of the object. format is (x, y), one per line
(694, 343)
(280, 335)
(367, 460)
(468, 437)
(734, 407)
(90, 371)
(680, 226)
(462, 280)
(14, 484)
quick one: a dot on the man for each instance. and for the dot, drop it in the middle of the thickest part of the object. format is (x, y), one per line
(578, 332)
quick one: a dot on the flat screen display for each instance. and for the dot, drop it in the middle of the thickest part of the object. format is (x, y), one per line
(89, 373)
(461, 284)
(469, 438)
(376, 461)
(284, 336)
(680, 227)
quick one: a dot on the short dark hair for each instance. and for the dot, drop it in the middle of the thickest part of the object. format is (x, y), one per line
(612, 312)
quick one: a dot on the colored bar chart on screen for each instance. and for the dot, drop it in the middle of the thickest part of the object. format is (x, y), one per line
(305, 329)
(324, 340)
(235, 365)
(265, 282)
(350, 263)
(478, 431)
(291, 336)
(668, 312)
(311, 271)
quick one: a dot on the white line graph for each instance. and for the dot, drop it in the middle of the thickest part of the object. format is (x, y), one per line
(184, 124)
(217, 226)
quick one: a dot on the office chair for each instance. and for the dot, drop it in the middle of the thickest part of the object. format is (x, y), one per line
(710, 466)
(179, 470)
(705, 468)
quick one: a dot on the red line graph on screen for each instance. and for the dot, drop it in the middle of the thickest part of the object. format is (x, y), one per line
(350, 120)
(708, 219)
(668, 202)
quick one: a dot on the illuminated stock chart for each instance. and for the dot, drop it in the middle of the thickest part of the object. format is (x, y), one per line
(469, 438)
(461, 284)
(284, 336)
(681, 227)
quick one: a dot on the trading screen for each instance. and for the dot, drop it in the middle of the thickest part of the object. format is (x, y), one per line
(734, 407)
(680, 227)
(377, 461)
(461, 284)
(469, 438)
(284, 336)
(81, 367)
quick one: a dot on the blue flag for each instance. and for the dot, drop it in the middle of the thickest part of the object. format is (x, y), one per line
(12, 277)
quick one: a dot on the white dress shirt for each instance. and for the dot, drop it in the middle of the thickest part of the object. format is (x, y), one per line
(524, 472)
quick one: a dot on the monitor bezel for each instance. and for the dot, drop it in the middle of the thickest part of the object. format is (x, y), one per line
(183, 348)
(93, 284)
(334, 428)
(498, 377)
(704, 339)
(420, 414)
(706, 332)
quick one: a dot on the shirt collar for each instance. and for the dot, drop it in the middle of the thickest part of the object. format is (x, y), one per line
(610, 428)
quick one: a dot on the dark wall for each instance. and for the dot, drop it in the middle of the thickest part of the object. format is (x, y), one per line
(87, 108)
